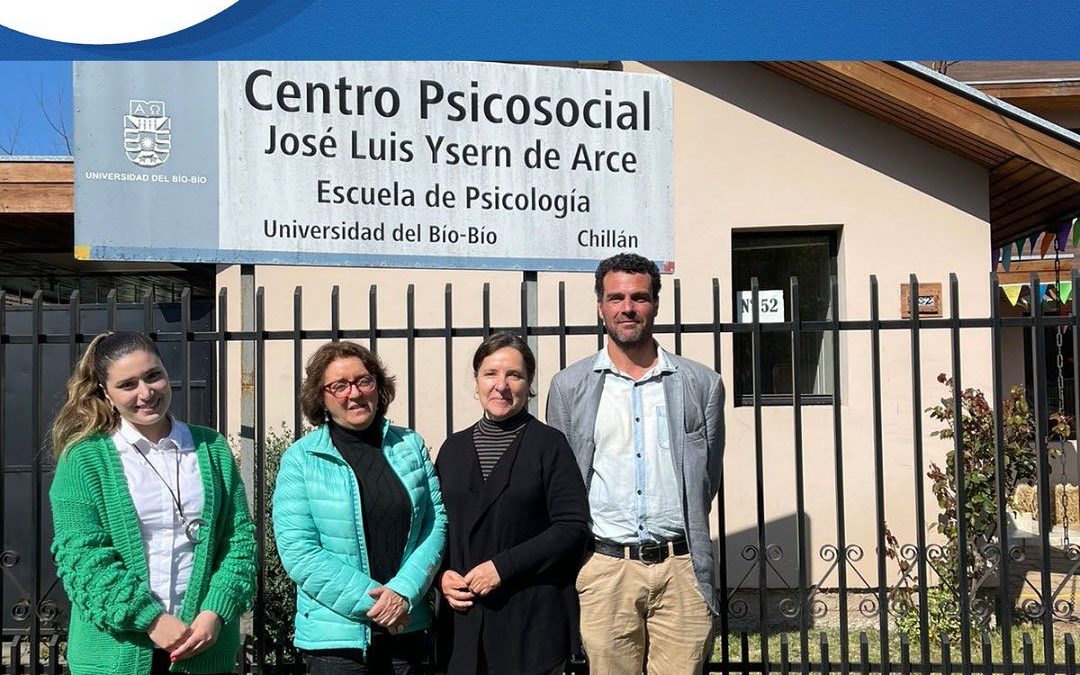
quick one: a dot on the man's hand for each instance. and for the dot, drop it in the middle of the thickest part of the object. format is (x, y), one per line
(483, 578)
(167, 631)
(389, 607)
(456, 591)
(202, 634)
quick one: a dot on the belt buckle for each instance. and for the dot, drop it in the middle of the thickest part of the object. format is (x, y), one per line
(651, 554)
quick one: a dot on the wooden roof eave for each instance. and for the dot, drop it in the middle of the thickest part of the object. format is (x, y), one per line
(1034, 171)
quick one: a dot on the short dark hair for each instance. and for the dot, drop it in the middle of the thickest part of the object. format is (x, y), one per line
(311, 392)
(497, 341)
(631, 263)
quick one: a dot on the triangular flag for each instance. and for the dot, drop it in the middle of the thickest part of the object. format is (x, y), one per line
(1006, 257)
(1012, 292)
(1031, 241)
(1062, 239)
(1075, 231)
(1047, 240)
(1019, 243)
(995, 256)
(1065, 291)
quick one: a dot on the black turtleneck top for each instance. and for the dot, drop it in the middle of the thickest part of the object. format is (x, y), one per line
(384, 502)
(492, 438)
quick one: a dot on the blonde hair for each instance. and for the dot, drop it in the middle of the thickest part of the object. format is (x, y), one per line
(86, 411)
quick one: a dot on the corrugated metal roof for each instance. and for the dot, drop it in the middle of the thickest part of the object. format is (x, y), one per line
(36, 158)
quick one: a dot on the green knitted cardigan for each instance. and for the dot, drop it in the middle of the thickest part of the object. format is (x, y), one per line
(101, 560)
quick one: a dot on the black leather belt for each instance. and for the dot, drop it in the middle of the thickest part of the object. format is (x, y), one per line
(650, 554)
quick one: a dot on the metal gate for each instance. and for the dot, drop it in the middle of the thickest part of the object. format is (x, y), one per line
(34, 374)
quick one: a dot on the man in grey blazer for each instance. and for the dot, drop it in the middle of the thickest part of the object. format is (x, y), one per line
(648, 432)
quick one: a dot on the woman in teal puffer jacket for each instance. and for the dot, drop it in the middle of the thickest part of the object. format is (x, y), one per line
(359, 521)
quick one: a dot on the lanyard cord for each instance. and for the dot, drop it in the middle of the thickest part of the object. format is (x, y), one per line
(175, 495)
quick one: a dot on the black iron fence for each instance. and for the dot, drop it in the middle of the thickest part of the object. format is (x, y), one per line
(977, 594)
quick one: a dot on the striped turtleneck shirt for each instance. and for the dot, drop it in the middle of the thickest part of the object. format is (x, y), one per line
(493, 437)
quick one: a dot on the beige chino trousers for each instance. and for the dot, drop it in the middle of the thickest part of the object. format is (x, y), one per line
(643, 618)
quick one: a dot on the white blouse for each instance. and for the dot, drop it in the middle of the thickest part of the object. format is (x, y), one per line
(169, 552)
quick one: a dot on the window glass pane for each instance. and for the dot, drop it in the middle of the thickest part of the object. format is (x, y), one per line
(774, 259)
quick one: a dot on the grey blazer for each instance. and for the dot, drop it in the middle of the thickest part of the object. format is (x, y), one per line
(695, 406)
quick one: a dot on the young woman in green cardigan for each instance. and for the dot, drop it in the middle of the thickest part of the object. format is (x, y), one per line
(153, 540)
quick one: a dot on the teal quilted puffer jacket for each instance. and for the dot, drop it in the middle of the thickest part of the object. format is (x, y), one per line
(320, 538)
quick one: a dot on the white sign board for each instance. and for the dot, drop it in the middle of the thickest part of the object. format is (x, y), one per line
(770, 307)
(425, 164)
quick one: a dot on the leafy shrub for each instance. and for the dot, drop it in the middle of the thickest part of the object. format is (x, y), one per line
(978, 453)
(942, 618)
(280, 592)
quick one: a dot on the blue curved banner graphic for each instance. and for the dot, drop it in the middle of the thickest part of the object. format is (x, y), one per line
(636, 29)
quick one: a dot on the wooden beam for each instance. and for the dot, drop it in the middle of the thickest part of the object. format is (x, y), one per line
(1025, 277)
(1038, 204)
(44, 198)
(1016, 171)
(1041, 265)
(1002, 234)
(1026, 90)
(963, 116)
(37, 172)
(1004, 199)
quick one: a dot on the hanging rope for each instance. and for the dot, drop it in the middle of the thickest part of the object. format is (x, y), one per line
(1059, 339)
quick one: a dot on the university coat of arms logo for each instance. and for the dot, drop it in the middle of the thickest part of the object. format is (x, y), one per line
(147, 133)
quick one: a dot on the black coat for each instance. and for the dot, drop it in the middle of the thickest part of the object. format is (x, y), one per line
(530, 518)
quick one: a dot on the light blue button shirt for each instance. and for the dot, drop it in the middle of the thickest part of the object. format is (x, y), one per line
(633, 493)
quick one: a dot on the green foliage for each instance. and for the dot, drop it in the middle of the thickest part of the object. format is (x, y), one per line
(942, 620)
(978, 453)
(280, 591)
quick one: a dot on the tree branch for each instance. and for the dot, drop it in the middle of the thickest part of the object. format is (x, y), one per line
(58, 125)
(11, 136)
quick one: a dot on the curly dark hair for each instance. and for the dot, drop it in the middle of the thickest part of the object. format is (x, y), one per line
(311, 392)
(627, 262)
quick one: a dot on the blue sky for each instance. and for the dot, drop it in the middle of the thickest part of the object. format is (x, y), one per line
(22, 83)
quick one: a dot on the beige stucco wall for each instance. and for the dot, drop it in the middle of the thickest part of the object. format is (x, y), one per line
(752, 150)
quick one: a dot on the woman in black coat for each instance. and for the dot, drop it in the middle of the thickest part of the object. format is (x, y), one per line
(518, 519)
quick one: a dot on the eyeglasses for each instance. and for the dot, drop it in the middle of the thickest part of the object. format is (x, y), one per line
(342, 388)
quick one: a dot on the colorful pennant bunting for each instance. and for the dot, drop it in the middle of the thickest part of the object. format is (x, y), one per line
(1006, 257)
(1062, 239)
(1012, 292)
(1047, 241)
